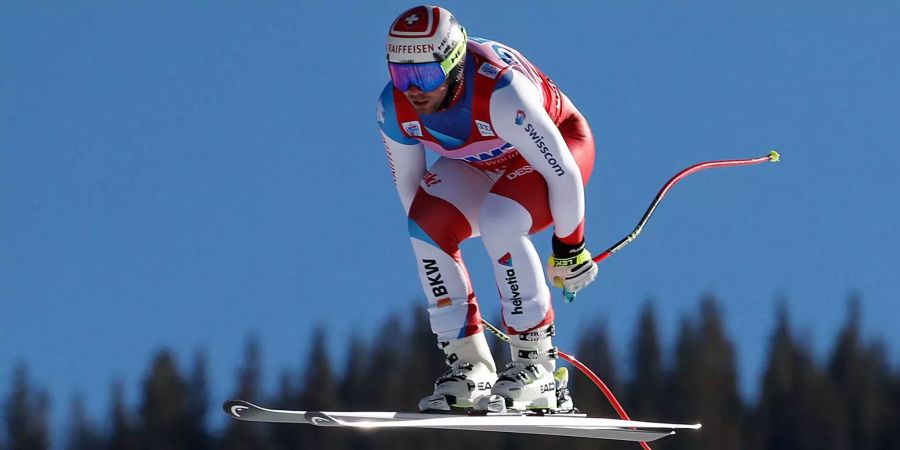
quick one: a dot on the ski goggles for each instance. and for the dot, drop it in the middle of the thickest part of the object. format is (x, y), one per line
(427, 76)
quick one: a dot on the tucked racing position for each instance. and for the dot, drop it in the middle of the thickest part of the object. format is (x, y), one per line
(514, 157)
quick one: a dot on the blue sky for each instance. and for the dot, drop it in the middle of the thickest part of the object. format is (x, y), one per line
(182, 174)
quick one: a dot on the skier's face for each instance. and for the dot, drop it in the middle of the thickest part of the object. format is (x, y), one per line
(426, 102)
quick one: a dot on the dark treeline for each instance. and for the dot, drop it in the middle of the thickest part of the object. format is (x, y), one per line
(850, 399)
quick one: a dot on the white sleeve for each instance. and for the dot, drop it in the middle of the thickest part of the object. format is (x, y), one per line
(407, 166)
(539, 141)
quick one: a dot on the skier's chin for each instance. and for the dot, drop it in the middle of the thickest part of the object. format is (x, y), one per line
(426, 107)
(426, 102)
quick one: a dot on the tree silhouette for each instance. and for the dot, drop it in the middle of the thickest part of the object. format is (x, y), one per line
(196, 435)
(353, 387)
(124, 434)
(423, 362)
(244, 435)
(703, 383)
(386, 354)
(861, 381)
(83, 434)
(164, 409)
(26, 414)
(285, 436)
(320, 393)
(645, 391)
(798, 408)
(887, 435)
(851, 400)
(594, 350)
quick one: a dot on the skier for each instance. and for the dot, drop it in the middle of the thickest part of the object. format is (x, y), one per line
(514, 157)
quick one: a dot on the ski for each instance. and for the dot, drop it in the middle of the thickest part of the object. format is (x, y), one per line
(557, 425)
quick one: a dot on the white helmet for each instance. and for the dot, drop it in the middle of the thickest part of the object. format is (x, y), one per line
(426, 46)
(426, 34)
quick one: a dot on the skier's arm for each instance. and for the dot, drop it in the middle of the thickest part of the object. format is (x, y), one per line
(406, 156)
(407, 166)
(541, 144)
(539, 141)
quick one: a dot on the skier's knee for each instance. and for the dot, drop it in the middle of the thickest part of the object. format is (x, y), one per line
(502, 218)
(444, 230)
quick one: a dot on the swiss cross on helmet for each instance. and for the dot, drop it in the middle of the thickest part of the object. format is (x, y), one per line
(425, 44)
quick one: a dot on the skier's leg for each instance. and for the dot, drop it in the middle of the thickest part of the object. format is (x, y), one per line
(517, 206)
(528, 382)
(524, 296)
(443, 214)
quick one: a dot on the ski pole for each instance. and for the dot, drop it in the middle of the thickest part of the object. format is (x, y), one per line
(569, 297)
(773, 156)
(584, 369)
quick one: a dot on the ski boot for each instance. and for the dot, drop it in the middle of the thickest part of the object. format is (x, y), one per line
(530, 383)
(471, 375)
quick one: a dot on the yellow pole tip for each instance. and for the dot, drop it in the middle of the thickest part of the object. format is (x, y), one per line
(774, 156)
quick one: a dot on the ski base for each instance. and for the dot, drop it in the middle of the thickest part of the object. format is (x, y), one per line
(574, 425)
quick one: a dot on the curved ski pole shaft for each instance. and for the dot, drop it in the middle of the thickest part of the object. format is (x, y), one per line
(603, 388)
(773, 156)
(581, 367)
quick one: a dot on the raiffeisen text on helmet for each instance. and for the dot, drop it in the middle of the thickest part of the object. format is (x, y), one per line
(410, 49)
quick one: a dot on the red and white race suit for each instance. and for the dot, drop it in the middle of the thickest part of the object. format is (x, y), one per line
(515, 155)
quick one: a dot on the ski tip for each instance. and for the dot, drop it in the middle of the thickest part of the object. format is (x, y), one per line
(235, 408)
(774, 156)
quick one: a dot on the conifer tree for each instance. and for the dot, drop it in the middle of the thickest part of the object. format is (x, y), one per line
(679, 402)
(352, 392)
(197, 435)
(797, 408)
(240, 435)
(124, 434)
(777, 422)
(354, 387)
(703, 384)
(320, 393)
(164, 408)
(645, 391)
(423, 361)
(83, 433)
(26, 414)
(858, 371)
(284, 436)
(320, 384)
(387, 352)
(887, 435)
(595, 351)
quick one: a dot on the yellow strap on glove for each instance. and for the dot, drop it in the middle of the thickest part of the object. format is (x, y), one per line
(567, 265)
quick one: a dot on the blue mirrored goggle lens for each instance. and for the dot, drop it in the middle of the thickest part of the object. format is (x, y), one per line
(425, 76)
